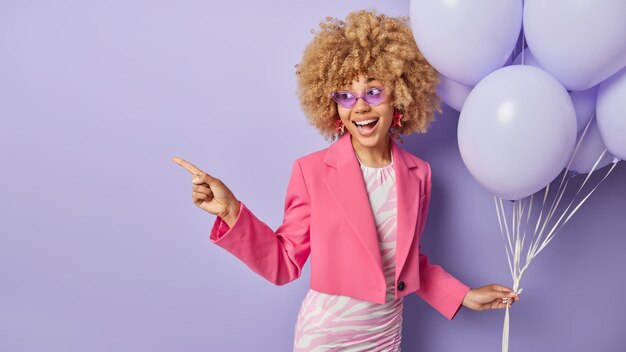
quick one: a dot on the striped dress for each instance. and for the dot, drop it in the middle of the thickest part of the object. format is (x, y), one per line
(329, 322)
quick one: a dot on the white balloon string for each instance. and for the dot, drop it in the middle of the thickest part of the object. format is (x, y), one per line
(530, 207)
(520, 220)
(559, 193)
(516, 273)
(518, 244)
(559, 225)
(543, 204)
(523, 43)
(514, 244)
(505, 331)
(506, 226)
(513, 237)
(585, 199)
(502, 233)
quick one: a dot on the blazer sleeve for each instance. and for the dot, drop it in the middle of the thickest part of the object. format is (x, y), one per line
(438, 288)
(279, 255)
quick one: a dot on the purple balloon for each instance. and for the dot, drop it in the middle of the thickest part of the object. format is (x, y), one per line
(517, 131)
(581, 43)
(611, 113)
(466, 40)
(590, 149)
(452, 92)
(584, 101)
(585, 105)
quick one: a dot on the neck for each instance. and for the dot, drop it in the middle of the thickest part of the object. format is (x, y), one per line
(377, 156)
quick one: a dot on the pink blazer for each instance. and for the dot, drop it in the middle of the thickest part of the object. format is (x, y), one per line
(328, 216)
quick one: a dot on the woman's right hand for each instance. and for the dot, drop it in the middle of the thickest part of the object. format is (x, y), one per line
(210, 194)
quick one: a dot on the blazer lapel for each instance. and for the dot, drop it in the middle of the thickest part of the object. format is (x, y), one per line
(408, 185)
(346, 184)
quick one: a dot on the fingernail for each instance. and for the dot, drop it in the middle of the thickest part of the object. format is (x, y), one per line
(196, 179)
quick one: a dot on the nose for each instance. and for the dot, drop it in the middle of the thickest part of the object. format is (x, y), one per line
(361, 105)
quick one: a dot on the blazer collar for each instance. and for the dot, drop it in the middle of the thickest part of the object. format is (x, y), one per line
(347, 186)
(342, 151)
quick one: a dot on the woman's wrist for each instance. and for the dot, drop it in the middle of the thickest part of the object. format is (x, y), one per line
(467, 299)
(232, 213)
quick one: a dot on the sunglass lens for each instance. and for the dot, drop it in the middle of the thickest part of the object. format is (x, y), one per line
(373, 96)
(345, 99)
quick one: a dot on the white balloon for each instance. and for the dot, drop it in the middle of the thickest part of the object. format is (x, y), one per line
(585, 105)
(452, 92)
(466, 40)
(581, 42)
(589, 151)
(584, 101)
(611, 113)
(517, 131)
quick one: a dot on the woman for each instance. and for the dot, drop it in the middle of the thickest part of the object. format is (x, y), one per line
(358, 207)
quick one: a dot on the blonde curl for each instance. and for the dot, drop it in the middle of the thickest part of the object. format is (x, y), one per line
(373, 45)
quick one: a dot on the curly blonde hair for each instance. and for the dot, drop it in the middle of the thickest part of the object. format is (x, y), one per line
(374, 45)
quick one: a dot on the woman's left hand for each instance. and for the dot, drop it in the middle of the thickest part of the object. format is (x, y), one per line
(490, 297)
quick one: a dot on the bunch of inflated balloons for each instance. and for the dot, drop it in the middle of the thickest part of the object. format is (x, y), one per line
(523, 109)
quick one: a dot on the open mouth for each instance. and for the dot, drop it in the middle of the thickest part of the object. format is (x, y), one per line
(366, 126)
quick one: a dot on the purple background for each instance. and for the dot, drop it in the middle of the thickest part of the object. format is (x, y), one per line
(102, 249)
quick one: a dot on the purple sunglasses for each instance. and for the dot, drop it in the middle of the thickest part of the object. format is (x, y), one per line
(347, 99)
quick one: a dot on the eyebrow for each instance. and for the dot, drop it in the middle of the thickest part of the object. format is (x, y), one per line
(371, 79)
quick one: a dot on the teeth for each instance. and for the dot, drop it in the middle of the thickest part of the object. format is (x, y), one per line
(361, 123)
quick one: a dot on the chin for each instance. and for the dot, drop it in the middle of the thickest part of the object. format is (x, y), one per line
(369, 141)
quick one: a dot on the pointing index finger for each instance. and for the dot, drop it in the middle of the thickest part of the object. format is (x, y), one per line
(188, 166)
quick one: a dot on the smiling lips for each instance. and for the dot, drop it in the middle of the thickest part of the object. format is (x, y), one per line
(366, 126)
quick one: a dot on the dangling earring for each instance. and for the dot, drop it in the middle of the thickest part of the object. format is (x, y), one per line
(339, 126)
(397, 116)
